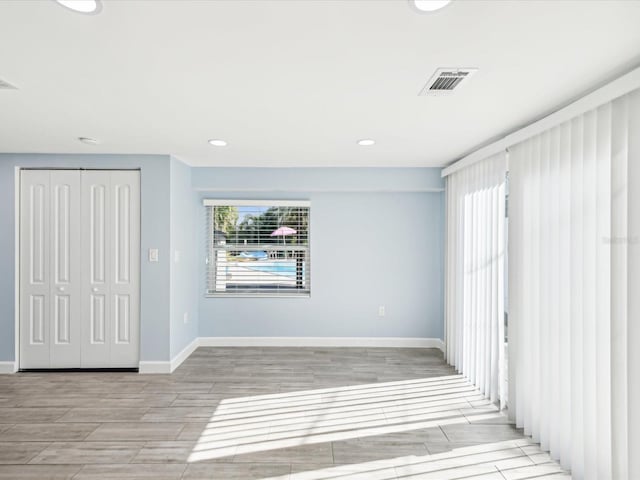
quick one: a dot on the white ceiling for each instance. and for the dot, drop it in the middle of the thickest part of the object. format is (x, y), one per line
(297, 83)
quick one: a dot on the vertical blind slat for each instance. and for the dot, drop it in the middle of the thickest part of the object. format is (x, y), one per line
(475, 274)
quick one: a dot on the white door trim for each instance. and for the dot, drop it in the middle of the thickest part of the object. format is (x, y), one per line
(16, 270)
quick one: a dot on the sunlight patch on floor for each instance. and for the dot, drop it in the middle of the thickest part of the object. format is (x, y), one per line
(266, 422)
(510, 460)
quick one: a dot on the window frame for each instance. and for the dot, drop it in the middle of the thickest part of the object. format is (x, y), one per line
(210, 265)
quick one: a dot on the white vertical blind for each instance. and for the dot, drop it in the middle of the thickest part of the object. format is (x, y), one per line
(573, 231)
(475, 273)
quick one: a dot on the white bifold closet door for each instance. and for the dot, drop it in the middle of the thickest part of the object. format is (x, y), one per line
(110, 268)
(79, 268)
(49, 269)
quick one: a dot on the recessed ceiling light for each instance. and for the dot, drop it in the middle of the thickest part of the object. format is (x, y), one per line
(217, 142)
(429, 5)
(88, 140)
(366, 142)
(81, 6)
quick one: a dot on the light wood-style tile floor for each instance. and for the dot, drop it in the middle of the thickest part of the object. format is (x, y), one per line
(264, 413)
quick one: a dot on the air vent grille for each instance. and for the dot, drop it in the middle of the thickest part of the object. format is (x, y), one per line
(446, 80)
(6, 85)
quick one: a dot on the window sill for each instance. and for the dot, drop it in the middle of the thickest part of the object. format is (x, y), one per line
(263, 295)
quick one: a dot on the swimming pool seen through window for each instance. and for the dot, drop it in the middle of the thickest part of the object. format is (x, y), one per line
(258, 248)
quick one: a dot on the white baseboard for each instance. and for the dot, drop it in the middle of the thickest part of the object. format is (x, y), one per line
(167, 367)
(184, 354)
(170, 366)
(389, 342)
(154, 367)
(8, 367)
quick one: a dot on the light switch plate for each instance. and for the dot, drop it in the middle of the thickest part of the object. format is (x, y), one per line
(153, 254)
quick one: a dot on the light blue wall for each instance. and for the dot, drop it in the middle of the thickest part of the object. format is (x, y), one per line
(306, 180)
(376, 239)
(184, 268)
(155, 228)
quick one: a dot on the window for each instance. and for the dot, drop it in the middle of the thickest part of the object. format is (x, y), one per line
(258, 248)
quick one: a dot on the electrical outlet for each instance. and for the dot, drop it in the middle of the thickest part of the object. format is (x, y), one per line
(185, 317)
(381, 311)
(153, 254)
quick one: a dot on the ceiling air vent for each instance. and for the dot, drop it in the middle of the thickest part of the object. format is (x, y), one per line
(6, 85)
(446, 80)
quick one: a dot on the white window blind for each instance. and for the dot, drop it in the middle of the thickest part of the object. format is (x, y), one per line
(258, 248)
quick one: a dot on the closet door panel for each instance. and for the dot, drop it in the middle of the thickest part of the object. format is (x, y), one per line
(111, 240)
(96, 243)
(125, 285)
(34, 269)
(65, 269)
